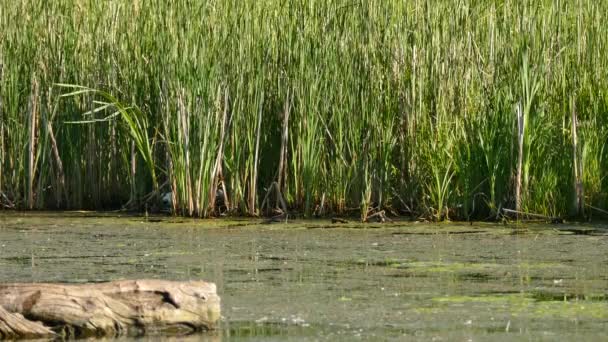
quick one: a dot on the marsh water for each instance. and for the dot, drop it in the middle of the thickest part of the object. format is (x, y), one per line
(312, 280)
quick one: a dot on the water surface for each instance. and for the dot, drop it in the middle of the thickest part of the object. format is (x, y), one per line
(311, 280)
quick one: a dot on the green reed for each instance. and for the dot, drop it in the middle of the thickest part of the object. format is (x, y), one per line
(405, 106)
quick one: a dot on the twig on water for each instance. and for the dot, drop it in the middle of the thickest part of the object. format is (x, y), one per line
(553, 219)
(596, 209)
(275, 186)
(380, 216)
(5, 201)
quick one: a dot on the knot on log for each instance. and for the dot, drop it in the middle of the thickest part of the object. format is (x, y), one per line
(107, 309)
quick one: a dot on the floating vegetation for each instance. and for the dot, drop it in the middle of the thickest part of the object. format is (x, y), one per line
(518, 304)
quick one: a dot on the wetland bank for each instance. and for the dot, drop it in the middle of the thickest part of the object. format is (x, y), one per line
(440, 110)
(313, 280)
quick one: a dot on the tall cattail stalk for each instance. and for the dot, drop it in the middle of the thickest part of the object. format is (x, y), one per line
(216, 174)
(31, 147)
(254, 176)
(282, 170)
(2, 120)
(579, 199)
(521, 131)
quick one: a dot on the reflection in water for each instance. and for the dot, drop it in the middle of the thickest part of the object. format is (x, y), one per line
(290, 282)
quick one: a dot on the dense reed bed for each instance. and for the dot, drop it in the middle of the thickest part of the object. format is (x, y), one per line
(443, 109)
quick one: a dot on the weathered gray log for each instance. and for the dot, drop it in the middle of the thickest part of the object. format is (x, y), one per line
(107, 309)
(14, 325)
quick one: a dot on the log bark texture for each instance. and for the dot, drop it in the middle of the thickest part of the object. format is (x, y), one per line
(132, 307)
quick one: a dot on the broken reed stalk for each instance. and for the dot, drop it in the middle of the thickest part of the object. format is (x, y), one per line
(58, 162)
(133, 198)
(321, 211)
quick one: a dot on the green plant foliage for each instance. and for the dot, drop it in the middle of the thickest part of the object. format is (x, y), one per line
(403, 106)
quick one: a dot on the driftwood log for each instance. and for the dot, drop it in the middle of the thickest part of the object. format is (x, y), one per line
(130, 307)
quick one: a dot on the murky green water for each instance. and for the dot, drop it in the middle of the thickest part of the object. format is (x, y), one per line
(313, 281)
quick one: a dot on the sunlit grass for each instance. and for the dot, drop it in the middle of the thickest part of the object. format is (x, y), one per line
(409, 107)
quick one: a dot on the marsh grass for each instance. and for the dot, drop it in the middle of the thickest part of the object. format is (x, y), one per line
(409, 107)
